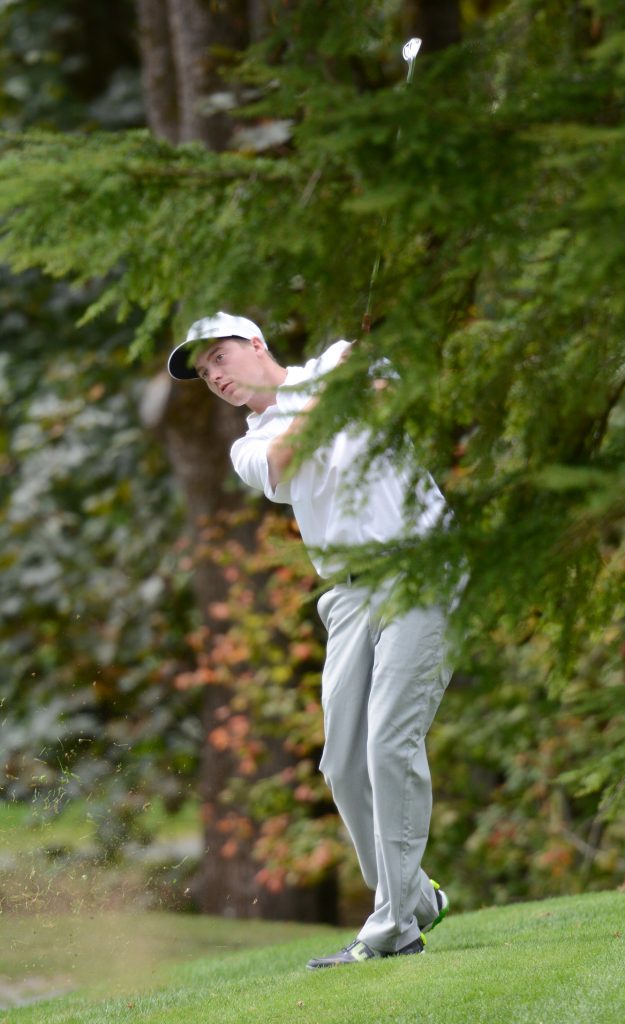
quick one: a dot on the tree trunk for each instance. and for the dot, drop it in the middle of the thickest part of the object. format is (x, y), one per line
(183, 44)
(158, 73)
(197, 431)
(204, 34)
(257, 19)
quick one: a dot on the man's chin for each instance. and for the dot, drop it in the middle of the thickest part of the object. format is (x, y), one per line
(235, 396)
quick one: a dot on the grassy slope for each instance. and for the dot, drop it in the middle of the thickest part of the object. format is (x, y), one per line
(555, 962)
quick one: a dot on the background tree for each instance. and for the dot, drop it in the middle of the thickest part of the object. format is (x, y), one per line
(86, 603)
(497, 220)
(62, 80)
(185, 47)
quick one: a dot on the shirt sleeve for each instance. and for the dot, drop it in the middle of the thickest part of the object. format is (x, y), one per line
(249, 458)
(330, 358)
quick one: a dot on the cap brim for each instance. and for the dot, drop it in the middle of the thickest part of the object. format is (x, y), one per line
(178, 364)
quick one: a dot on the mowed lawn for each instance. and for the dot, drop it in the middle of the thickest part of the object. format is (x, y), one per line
(559, 961)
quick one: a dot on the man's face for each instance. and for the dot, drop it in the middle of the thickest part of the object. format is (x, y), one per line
(232, 369)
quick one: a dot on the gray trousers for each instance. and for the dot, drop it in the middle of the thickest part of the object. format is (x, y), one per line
(382, 684)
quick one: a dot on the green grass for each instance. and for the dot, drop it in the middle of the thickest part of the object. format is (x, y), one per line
(560, 961)
(103, 953)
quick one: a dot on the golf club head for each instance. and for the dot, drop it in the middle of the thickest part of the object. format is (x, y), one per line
(411, 49)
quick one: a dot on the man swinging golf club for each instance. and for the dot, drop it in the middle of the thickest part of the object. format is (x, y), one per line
(383, 680)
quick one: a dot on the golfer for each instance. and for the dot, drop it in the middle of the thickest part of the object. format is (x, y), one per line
(383, 679)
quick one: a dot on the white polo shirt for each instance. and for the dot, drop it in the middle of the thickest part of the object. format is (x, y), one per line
(332, 503)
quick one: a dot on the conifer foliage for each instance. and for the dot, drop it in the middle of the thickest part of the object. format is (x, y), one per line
(499, 226)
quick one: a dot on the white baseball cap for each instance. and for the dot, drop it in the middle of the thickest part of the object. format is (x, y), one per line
(222, 325)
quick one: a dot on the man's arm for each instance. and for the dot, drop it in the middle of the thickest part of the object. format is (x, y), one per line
(282, 449)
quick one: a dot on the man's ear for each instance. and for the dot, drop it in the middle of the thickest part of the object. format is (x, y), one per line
(257, 345)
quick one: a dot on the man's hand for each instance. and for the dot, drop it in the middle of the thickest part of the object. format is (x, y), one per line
(379, 383)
